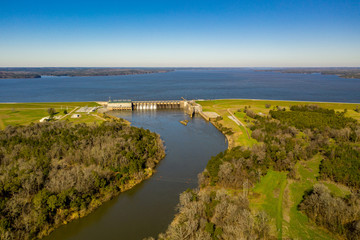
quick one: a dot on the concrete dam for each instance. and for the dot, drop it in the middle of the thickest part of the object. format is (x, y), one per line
(140, 105)
(190, 107)
(144, 105)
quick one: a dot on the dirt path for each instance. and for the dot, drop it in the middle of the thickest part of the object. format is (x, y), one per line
(237, 121)
(68, 113)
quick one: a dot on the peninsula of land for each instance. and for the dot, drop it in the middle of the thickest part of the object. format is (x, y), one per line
(73, 72)
(346, 72)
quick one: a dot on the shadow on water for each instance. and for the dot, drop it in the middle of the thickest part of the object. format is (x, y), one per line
(148, 208)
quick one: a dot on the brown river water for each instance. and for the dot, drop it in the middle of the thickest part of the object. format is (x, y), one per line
(148, 208)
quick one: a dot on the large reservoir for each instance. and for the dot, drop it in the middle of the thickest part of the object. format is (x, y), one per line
(190, 84)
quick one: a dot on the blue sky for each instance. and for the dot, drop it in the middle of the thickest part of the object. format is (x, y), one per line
(174, 33)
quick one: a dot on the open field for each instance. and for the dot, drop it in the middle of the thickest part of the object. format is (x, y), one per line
(279, 198)
(239, 138)
(26, 113)
(267, 196)
(295, 223)
(85, 118)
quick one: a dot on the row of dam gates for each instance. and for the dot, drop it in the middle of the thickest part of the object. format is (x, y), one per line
(140, 105)
(190, 107)
(143, 105)
(113, 105)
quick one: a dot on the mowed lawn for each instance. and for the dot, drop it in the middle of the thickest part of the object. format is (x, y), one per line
(85, 118)
(26, 113)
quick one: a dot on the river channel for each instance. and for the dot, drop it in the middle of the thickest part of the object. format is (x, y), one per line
(148, 208)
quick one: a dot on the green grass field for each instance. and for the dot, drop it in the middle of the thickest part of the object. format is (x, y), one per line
(239, 138)
(259, 105)
(279, 197)
(267, 196)
(85, 118)
(26, 113)
(296, 224)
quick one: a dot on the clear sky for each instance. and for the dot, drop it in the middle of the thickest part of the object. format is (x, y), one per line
(196, 33)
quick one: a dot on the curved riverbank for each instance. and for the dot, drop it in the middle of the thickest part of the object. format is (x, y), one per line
(77, 215)
(148, 208)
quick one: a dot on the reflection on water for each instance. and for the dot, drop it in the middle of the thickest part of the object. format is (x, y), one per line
(148, 208)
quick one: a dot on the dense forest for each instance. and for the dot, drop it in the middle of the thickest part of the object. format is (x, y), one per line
(51, 173)
(285, 137)
(339, 215)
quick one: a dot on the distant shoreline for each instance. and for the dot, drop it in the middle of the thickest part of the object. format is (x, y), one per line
(349, 73)
(215, 99)
(16, 73)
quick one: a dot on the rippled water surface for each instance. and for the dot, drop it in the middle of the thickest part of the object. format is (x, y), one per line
(191, 84)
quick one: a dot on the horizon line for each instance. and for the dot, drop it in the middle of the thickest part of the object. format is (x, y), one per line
(177, 67)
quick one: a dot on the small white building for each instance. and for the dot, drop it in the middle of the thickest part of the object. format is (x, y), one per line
(76, 116)
(44, 119)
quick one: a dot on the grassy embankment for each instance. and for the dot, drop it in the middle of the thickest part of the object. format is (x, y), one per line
(240, 138)
(277, 195)
(25, 113)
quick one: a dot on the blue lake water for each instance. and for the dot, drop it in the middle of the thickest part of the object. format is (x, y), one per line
(190, 84)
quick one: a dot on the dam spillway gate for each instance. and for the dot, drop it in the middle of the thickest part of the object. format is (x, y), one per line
(144, 105)
(141, 105)
(188, 106)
